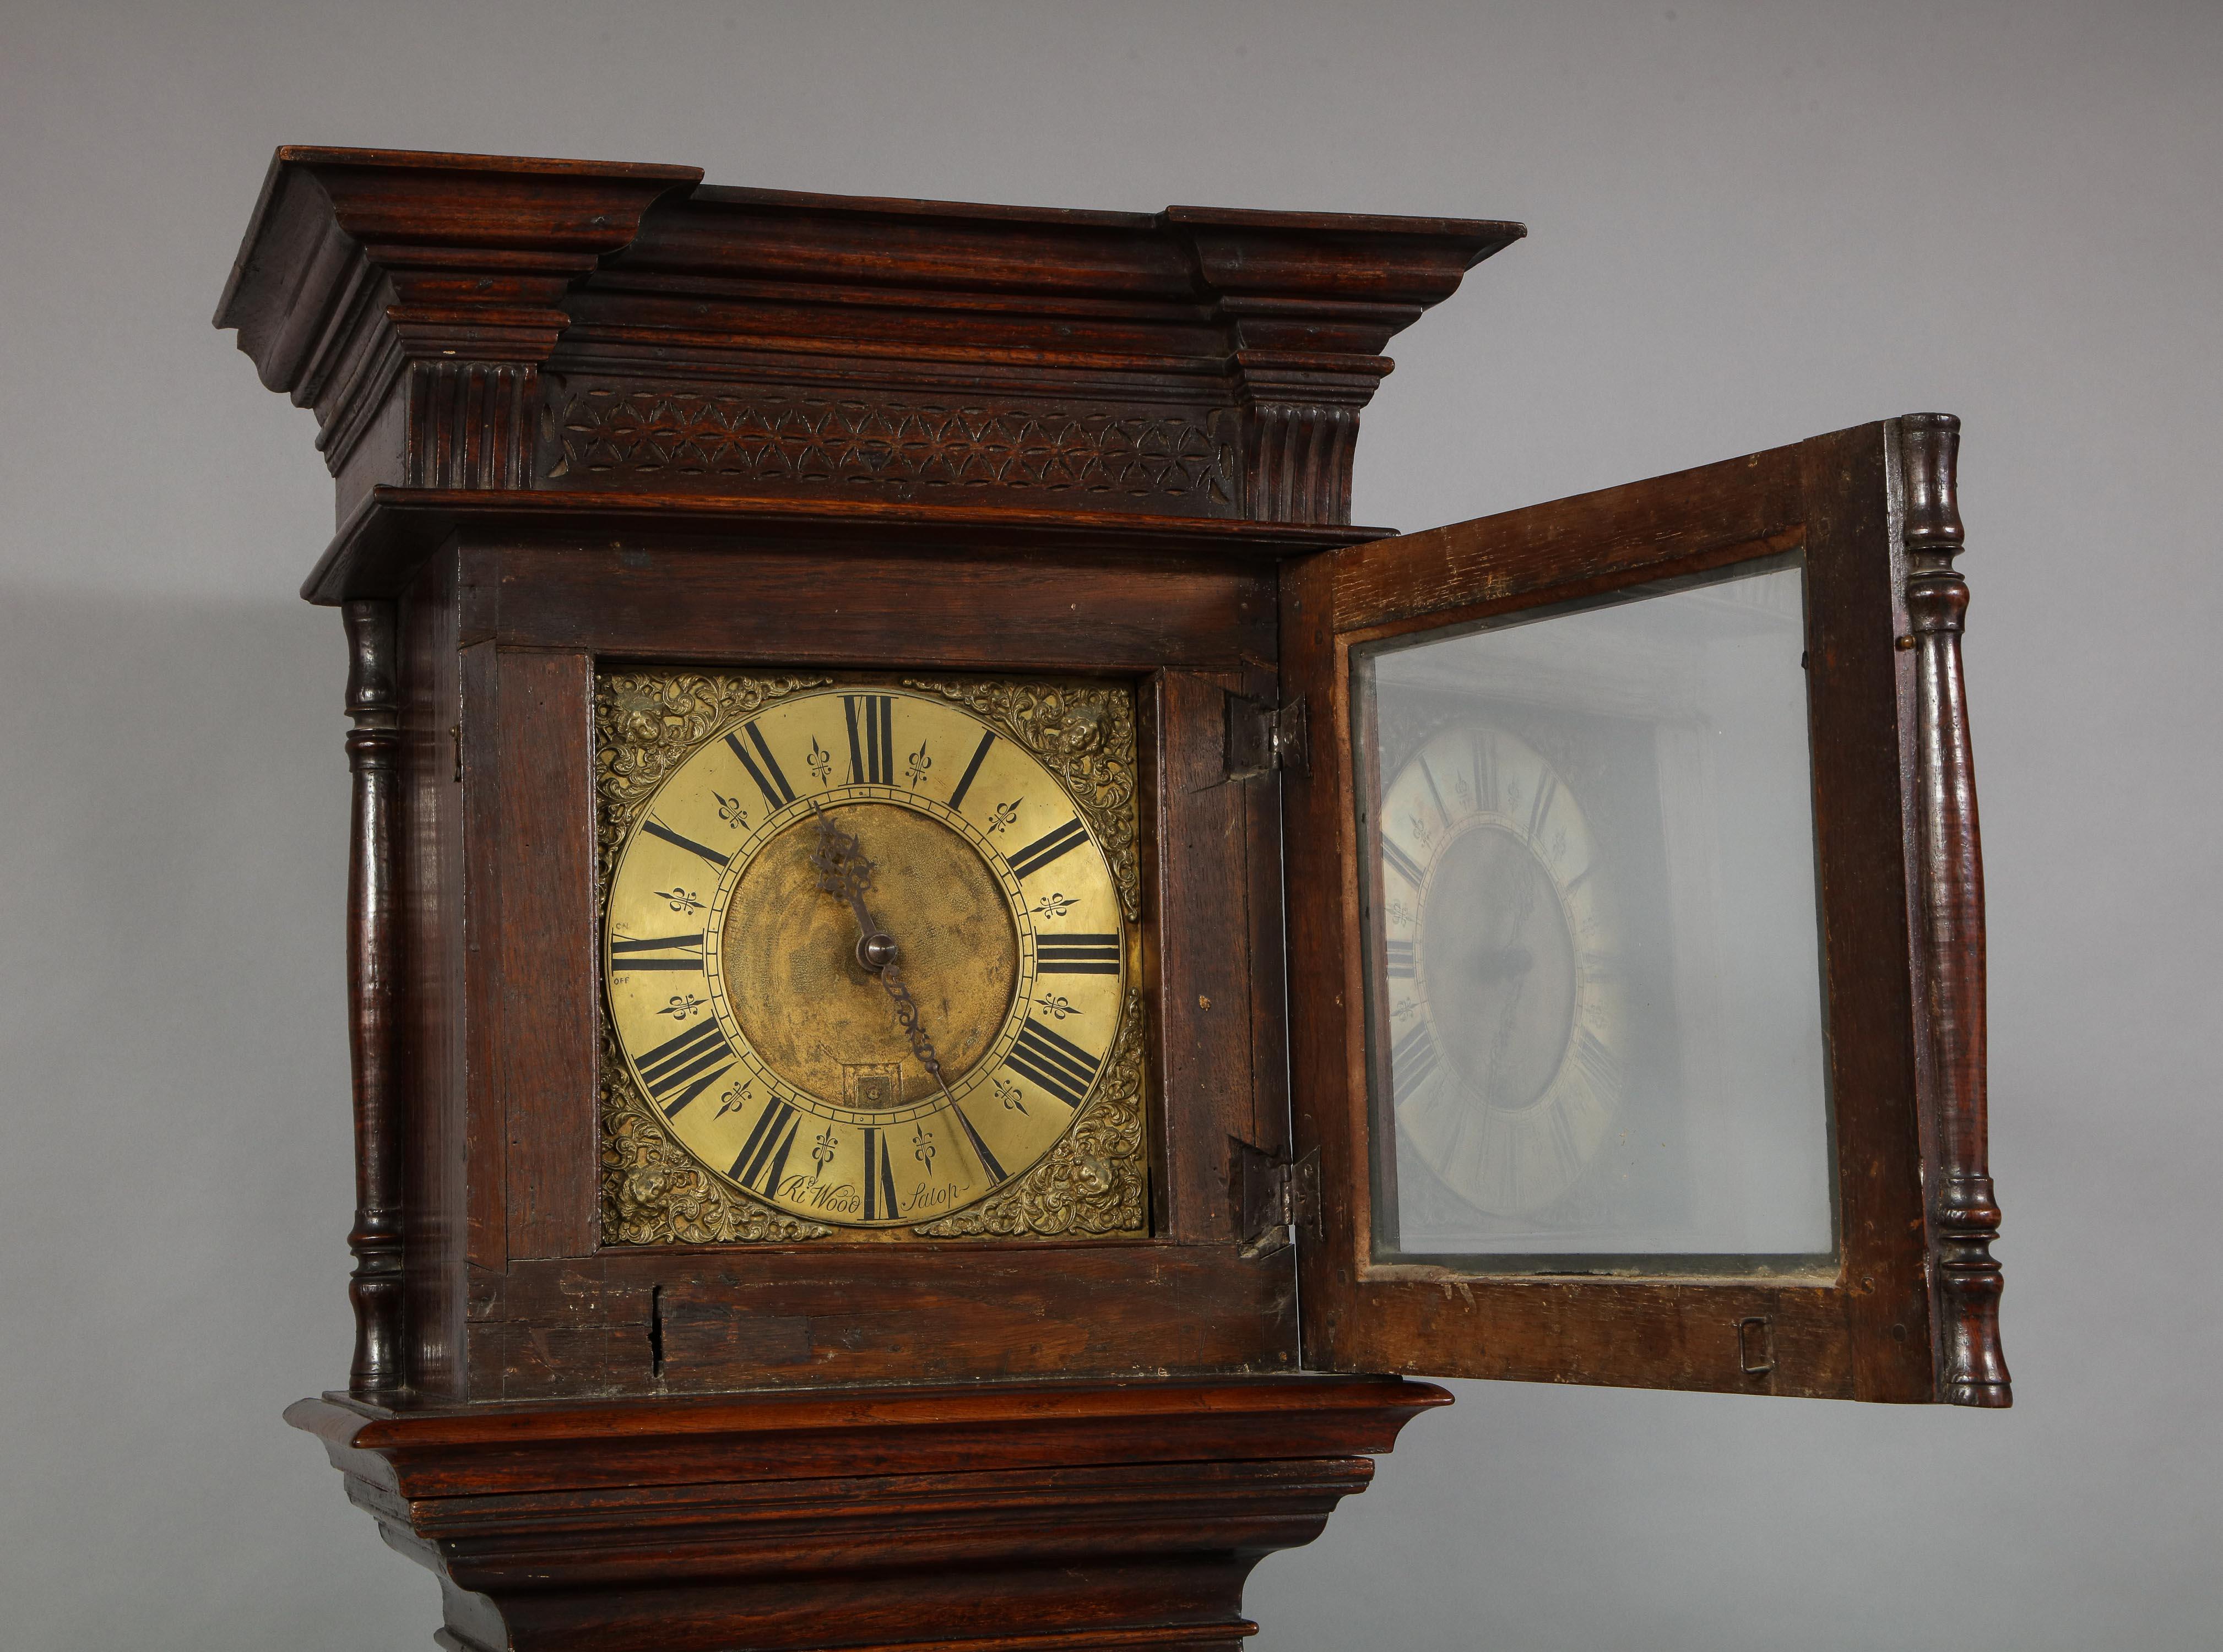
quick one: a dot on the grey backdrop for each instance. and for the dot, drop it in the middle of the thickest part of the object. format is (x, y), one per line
(1749, 224)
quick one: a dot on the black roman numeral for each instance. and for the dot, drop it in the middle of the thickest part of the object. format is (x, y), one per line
(1485, 773)
(873, 759)
(1078, 954)
(764, 1156)
(1058, 1064)
(658, 829)
(964, 782)
(626, 955)
(682, 1068)
(879, 1176)
(1405, 866)
(1413, 1059)
(979, 1148)
(772, 783)
(1047, 847)
(1402, 958)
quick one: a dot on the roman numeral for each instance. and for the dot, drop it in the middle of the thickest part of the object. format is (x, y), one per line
(1078, 954)
(1600, 1065)
(764, 1155)
(1405, 866)
(879, 1176)
(1435, 792)
(1547, 793)
(1412, 1060)
(1057, 1065)
(964, 782)
(873, 760)
(627, 955)
(1047, 847)
(658, 829)
(1403, 961)
(682, 1068)
(776, 790)
(979, 1148)
(1485, 773)
(1563, 1149)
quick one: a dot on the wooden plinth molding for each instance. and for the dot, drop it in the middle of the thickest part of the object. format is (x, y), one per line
(1083, 1518)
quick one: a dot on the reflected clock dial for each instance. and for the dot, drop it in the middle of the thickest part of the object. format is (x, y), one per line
(1505, 1013)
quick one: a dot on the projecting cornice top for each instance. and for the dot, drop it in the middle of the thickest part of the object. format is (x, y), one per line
(470, 321)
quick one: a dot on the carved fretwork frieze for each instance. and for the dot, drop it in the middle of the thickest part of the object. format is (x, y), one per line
(1099, 456)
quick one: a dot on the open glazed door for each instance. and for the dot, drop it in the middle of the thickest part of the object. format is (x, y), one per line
(1637, 938)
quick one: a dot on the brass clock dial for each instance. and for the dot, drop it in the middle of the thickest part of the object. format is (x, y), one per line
(865, 956)
(1503, 1007)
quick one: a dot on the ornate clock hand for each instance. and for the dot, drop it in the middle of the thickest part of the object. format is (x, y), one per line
(843, 870)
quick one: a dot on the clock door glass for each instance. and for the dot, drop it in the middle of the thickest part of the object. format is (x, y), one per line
(1595, 1003)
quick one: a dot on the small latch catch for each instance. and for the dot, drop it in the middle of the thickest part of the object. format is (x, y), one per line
(1273, 1196)
(1263, 739)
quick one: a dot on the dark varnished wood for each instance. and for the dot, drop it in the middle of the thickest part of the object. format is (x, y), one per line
(1062, 612)
(374, 998)
(1866, 1330)
(379, 546)
(438, 1186)
(646, 1321)
(581, 414)
(1964, 1212)
(475, 322)
(1057, 1515)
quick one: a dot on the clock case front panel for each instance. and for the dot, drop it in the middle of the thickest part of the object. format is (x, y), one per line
(514, 1291)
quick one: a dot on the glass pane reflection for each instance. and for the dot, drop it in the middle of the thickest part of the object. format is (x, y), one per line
(1595, 1015)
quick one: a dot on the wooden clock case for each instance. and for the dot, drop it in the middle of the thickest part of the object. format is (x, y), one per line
(583, 414)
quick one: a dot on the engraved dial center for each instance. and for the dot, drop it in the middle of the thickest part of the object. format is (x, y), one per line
(786, 947)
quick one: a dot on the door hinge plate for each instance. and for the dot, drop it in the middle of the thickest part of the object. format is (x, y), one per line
(1264, 739)
(1274, 1198)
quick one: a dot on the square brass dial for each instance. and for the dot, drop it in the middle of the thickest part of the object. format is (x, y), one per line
(868, 958)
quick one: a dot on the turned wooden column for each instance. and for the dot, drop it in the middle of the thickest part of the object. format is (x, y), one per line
(1964, 1214)
(374, 748)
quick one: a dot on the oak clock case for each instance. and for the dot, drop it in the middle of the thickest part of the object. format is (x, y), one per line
(950, 971)
(868, 959)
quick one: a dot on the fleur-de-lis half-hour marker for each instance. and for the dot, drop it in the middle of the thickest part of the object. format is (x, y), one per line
(917, 764)
(680, 900)
(683, 1005)
(1008, 1093)
(1055, 1007)
(1401, 914)
(735, 1099)
(1422, 832)
(1053, 905)
(819, 761)
(824, 1152)
(923, 1147)
(1004, 814)
(731, 812)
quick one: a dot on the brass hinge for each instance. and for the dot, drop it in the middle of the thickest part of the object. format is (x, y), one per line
(1274, 1198)
(1263, 739)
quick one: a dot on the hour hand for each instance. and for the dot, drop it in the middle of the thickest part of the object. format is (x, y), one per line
(842, 870)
